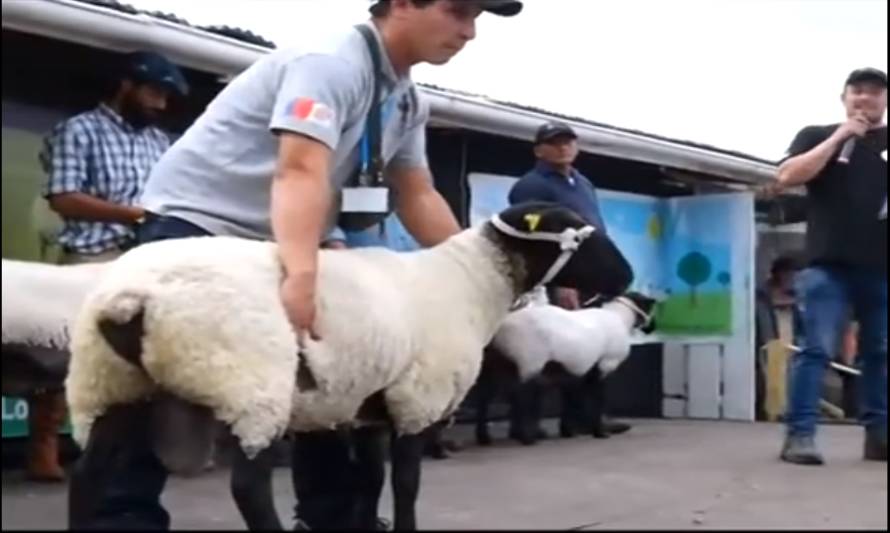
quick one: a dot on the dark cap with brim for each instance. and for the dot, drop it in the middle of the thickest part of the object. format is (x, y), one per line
(868, 74)
(153, 68)
(553, 130)
(504, 8)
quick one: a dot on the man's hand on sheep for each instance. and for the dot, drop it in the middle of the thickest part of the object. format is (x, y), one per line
(298, 297)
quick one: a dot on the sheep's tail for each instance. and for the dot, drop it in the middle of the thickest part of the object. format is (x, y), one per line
(121, 323)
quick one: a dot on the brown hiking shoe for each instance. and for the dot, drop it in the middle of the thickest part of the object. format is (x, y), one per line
(46, 415)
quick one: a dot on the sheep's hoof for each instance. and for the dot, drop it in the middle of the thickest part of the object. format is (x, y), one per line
(483, 439)
(438, 452)
(600, 434)
(617, 428)
(525, 438)
(566, 431)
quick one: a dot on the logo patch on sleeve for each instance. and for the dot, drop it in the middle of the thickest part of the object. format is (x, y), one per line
(309, 110)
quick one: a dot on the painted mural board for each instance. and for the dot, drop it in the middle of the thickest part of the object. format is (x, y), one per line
(681, 249)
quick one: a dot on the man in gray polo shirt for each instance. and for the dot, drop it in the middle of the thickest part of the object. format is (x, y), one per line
(266, 160)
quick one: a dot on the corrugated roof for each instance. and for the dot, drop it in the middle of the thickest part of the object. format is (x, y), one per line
(252, 38)
(239, 34)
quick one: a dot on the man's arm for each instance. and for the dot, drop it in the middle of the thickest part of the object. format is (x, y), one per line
(300, 202)
(82, 206)
(811, 151)
(316, 94)
(422, 210)
(65, 161)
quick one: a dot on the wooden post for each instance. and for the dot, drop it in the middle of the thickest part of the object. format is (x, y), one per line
(777, 355)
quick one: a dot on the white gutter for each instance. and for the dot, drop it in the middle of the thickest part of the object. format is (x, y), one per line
(483, 115)
(110, 29)
(106, 28)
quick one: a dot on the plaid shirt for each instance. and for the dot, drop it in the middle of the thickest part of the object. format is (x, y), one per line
(100, 154)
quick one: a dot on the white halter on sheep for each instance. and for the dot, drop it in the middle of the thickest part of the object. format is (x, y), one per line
(569, 240)
(215, 332)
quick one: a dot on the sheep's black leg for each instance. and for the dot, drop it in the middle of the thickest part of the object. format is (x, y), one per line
(323, 475)
(486, 389)
(117, 481)
(89, 477)
(571, 410)
(434, 443)
(597, 399)
(523, 407)
(537, 411)
(251, 487)
(370, 450)
(407, 454)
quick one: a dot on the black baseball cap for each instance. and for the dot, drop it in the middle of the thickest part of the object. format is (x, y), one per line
(504, 8)
(552, 130)
(152, 67)
(867, 74)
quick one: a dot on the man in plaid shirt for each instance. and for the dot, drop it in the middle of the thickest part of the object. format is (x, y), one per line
(97, 163)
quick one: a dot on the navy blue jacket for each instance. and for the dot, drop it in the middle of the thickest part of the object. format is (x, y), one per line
(544, 183)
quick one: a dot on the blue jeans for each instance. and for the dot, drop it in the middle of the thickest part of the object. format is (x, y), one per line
(825, 296)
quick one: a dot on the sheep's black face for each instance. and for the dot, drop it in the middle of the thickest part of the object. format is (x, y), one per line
(598, 266)
(647, 306)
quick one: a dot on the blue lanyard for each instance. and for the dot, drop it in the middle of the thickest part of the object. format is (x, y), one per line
(385, 112)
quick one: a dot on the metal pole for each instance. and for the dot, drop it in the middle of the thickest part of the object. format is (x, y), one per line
(837, 366)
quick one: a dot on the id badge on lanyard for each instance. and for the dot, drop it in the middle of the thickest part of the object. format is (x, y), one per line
(369, 195)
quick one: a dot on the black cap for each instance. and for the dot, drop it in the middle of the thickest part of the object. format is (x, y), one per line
(552, 130)
(152, 67)
(504, 8)
(867, 74)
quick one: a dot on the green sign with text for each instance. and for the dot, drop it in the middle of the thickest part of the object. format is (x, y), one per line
(15, 418)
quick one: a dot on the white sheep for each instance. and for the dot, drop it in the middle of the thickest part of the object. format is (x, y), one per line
(580, 346)
(578, 339)
(201, 319)
(39, 304)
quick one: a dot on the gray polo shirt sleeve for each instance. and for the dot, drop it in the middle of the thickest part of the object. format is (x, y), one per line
(315, 96)
(412, 149)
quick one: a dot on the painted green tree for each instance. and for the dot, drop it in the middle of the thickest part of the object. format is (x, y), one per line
(724, 279)
(694, 269)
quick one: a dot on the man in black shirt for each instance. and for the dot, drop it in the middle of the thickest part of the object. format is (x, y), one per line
(847, 262)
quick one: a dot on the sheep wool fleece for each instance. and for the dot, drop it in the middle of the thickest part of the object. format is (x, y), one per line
(412, 324)
(577, 339)
(41, 301)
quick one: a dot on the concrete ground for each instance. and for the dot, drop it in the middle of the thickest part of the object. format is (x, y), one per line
(663, 474)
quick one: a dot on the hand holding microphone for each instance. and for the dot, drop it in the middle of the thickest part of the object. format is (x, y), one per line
(855, 127)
